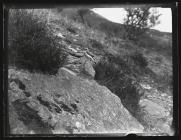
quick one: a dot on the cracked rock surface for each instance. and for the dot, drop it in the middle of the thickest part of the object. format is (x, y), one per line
(64, 104)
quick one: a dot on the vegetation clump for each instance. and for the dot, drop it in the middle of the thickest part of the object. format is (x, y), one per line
(96, 44)
(138, 21)
(139, 59)
(31, 43)
(113, 73)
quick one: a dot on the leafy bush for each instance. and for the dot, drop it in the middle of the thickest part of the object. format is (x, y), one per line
(138, 21)
(113, 73)
(139, 59)
(31, 43)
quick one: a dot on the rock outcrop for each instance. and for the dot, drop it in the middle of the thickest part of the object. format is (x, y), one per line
(64, 104)
(88, 69)
(81, 63)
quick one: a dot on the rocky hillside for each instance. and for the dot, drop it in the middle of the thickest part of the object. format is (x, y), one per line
(94, 90)
(65, 104)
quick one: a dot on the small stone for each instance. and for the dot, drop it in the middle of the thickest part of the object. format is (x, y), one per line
(89, 123)
(60, 35)
(32, 132)
(149, 96)
(27, 78)
(75, 131)
(145, 86)
(78, 124)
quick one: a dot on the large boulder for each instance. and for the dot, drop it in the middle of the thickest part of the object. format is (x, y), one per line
(65, 104)
(88, 69)
(156, 117)
(154, 109)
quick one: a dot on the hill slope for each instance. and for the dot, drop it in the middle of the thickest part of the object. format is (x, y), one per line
(96, 83)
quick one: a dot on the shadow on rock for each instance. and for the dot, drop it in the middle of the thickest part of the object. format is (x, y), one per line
(30, 118)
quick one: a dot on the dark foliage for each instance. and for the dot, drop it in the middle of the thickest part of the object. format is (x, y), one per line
(113, 73)
(96, 44)
(139, 59)
(31, 43)
(138, 21)
(81, 13)
(72, 30)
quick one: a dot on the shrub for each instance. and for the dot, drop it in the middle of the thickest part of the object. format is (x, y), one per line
(72, 30)
(138, 21)
(139, 59)
(81, 13)
(113, 73)
(31, 43)
(96, 44)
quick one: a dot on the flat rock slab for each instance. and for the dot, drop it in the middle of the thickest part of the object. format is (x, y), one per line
(65, 104)
(153, 108)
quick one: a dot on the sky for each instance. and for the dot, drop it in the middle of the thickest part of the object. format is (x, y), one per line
(117, 15)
